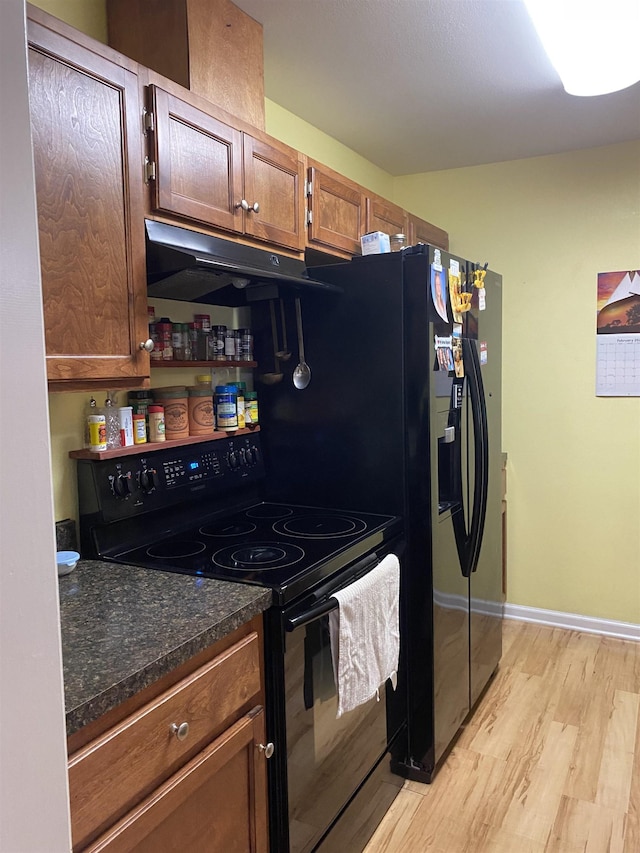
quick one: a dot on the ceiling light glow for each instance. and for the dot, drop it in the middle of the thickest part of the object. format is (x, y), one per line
(593, 45)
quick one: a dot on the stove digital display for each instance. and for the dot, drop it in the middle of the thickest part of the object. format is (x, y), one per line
(193, 466)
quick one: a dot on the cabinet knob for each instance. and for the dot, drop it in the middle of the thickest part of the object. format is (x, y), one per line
(147, 345)
(268, 749)
(180, 731)
(244, 204)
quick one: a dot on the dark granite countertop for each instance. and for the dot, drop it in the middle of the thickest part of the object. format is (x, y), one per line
(124, 627)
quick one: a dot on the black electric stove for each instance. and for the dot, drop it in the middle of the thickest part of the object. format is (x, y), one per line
(189, 510)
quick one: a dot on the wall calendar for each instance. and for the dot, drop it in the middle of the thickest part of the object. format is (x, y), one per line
(618, 334)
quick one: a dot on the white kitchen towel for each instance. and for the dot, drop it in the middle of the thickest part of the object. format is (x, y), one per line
(365, 634)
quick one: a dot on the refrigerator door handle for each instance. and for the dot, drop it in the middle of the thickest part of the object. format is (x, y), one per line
(481, 451)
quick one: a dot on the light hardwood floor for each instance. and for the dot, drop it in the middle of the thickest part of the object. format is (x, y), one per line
(550, 761)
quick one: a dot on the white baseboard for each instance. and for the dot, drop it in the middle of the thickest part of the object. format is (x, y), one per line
(573, 622)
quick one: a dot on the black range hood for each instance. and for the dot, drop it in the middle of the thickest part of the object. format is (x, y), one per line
(194, 267)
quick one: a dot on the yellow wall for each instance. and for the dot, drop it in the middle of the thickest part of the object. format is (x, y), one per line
(89, 16)
(549, 225)
(303, 136)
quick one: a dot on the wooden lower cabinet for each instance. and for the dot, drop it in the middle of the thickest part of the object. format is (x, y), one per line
(181, 769)
(215, 804)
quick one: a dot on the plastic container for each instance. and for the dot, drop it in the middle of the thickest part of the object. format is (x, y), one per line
(226, 407)
(156, 424)
(201, 416)
(112, 423)
(251, 409)
(90, 409)
(175, 401)
(66, 561)
(97, 433)
(125, 414)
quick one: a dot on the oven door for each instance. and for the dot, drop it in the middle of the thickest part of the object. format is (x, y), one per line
(327, 759)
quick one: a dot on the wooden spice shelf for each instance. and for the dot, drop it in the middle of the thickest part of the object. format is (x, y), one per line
(208, 364)
(149, 446)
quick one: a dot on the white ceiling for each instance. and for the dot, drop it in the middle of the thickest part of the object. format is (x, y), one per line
(421, 85)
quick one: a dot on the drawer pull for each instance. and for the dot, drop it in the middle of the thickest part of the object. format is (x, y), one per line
(268, 750)
(180, 731)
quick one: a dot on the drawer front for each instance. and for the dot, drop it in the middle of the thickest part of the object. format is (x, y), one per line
(114, 772)
(216, 803)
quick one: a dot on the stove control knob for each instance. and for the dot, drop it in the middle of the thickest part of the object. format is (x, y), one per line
(122, 485)
(233, 460)
(243, 456)
(148, 479)
(255, 453)
(250, 456)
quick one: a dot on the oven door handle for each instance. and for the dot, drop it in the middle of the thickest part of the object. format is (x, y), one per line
(311, 615)
(326, 602)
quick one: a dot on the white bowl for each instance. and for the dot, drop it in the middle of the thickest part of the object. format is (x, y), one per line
(66, 561)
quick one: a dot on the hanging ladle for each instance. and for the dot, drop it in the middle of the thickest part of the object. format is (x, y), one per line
(276, 376)
(285, 353)
(302, 373)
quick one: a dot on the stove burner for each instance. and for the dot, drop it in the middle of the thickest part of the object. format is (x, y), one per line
(228, 528)
(320, 526)
(259, 556)
(269, 511)
(176, 549)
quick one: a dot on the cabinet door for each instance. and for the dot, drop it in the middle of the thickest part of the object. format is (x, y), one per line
(337, 208)
(273, 177)
(87, 149)
(384, 216)
(198, 164)
(424, 232)
(216, 803)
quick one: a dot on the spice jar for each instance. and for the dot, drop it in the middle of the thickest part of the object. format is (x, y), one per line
(240, 403)
(164, 330)
(230, 345)
(156, 424)
(201, 419)
(251, 409)
(174, 399)
(226, 407)
(244, 345)
(397, 242)
(139, 429)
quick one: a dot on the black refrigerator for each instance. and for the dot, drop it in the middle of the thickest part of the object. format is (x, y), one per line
(403, 416)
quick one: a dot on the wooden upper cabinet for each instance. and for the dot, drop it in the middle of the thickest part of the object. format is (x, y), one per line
(198, 163)
(88, 159)
(384, 216)
(273, 178)
(211, 47)
(337, 210)
(421, 231)
(209, 172)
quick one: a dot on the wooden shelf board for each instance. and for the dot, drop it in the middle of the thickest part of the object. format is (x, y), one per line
(148, 447)
(208, 364)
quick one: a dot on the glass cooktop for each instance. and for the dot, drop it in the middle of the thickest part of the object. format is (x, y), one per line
(286, 548)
